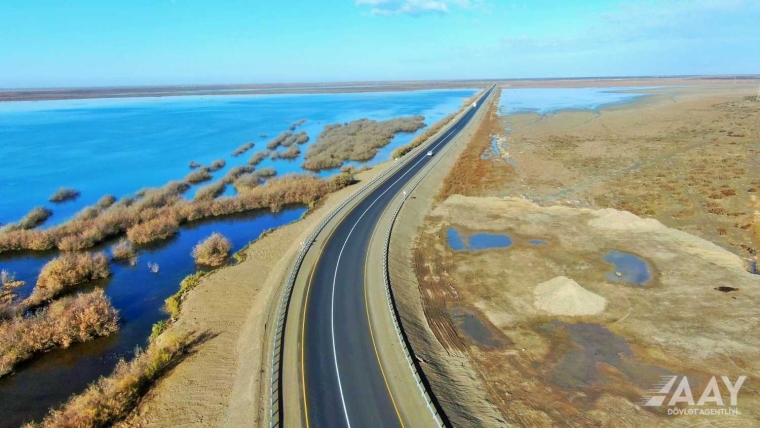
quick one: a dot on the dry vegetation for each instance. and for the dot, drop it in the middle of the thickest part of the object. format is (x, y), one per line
(174, 303)
(291, 153)
(300, 138)
(8, 287)
(65, 321)
(124, 251)
(258, 157)
(278, 140)
(34, 218)
(242, 149)
(194, 164)
(236, 172)
(198, 176)
(158, 213)
(66, 271)
(64, 194)
(110, 399)
(210, 191)
(358, 141)
(296, 124)
(212, 251)
(217, 165)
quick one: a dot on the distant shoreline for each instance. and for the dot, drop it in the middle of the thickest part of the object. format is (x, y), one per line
(11, 95)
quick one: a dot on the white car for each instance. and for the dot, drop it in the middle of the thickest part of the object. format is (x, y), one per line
(430, 153)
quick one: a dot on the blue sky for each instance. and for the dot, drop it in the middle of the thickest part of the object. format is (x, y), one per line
(55, 43)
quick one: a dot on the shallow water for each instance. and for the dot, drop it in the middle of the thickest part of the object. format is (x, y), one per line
(477, 241)
(550, 100)
(536, 242)
(474, 328)
(117, 146)
(634, 270)
(139, 295)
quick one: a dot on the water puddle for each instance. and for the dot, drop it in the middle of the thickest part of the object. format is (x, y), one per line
(477, 241)
(594, 346)
(628, 268)
(536, 242)
(474, 328)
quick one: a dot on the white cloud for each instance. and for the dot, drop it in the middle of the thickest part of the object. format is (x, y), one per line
(412, 7)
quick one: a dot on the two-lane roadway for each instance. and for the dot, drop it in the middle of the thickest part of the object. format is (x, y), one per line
(344, 384)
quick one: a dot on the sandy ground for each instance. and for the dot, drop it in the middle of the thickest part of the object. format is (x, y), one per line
(685, 162)
(220, 383)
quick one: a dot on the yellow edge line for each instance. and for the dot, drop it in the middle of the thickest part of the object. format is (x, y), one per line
(374, 344)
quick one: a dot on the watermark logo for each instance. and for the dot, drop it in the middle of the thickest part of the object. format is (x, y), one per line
(675, 392)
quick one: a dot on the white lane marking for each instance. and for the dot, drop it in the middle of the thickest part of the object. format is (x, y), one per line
(335, 276)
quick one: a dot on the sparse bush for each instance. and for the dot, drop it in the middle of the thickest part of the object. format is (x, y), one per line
(198, 176)
(258, 157)
(236, 172)
(8, 286)
(254, 179)
(358, 141)
(65, 271)
(296, 124)
(217, 165)
(64, 194)
(278, 140)
(194, 165)
(105, 202)
(242, 149)
(111, 399)
(299, 138)
(34, 218)
(424, 136)
(291, 153)
(210, 191)
(153, 267)
(153, 230)
(65, 321)
(123, 250)
(157, 329)
(212, 251)
(174, 302)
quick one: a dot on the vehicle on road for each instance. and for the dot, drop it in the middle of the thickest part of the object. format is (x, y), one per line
(430, 153)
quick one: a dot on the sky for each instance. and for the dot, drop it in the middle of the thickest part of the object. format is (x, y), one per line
(75, 43)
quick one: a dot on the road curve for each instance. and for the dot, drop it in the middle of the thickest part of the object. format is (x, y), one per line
(344, 384)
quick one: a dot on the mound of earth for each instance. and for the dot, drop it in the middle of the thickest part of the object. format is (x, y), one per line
(563, 296)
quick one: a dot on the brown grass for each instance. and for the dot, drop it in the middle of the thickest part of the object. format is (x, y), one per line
(242, 149)
(217, 165)
(210, 191)
(291, 153)
(198, 176)
(34, 218)
(194, 164)
(358, 141)
(212, 251)
(111, 399)
(66, 271)
(64, 194)
(257, 157)
(278, 140)
(123, 250)
(158, 213)
(296, 124)
(8, 286)
(236, 172)
(65, 321)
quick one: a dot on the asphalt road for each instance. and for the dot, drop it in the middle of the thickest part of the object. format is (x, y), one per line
(344, 382)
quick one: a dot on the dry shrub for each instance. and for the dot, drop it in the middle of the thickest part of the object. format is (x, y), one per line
(684, 214)
(278, 140)
(236, 172)
(198, 176)
(8, 286)
(111, 399)
(123, 250)
(247, 182)
(358, 140)
(64, 194)
(65, 321)
(65, 271)
(728, 192)
(296, 124)
(291, 153)
(32, 219)
(258, 157)
(242, 149)
(212, 251)
(153, 230)
(299, 138)
(194, 164)
(174, 302)
(211, 191)
(217, 165)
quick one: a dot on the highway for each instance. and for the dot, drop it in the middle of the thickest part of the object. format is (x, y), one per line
(343, 382)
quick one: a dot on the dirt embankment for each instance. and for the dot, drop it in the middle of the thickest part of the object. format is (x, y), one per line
(220, 384)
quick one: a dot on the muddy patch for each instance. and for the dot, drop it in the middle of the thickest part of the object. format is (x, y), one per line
(474, 328)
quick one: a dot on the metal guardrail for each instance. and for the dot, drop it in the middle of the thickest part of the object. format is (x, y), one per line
(392, 303)
(276, 371)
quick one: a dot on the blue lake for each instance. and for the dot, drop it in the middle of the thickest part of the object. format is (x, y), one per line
(117, 146)
(550, 100)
